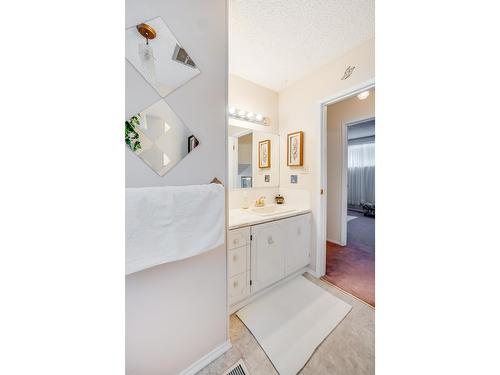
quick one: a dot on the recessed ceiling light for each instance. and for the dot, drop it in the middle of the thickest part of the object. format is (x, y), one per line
(364, 95)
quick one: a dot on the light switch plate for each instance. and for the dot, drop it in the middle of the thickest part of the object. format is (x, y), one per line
(267, 178)
(293, 178)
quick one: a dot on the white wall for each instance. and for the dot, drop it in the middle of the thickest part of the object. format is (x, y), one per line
(249, 96)
(176, 313)
(299, 109)
(338, 114)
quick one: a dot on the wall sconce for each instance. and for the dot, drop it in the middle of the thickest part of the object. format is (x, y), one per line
(241, 114)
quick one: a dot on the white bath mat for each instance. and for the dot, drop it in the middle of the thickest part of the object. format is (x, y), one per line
(290, 322)
(349, 218)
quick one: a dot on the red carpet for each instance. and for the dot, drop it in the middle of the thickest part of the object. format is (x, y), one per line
(352, 270)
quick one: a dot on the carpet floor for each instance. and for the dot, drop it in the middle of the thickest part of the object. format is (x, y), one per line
(361, 232)
(352, 267)
(352, 270)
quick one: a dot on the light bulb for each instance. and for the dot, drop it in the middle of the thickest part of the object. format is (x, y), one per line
(147, 62)
(364, 95)
(259, 117)
(242, 113)
(250, 115)
(232, 110)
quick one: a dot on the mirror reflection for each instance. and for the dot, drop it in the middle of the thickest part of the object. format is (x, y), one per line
(159, 137)
(154, 51)
(253, 158)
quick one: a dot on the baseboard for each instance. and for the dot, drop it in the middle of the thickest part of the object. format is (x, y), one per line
(334, 242)
(206, 359)
(311, 272)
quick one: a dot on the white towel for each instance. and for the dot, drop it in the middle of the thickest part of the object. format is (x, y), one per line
(165, 224)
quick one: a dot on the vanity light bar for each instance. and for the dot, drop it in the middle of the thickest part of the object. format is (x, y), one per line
(241, 114)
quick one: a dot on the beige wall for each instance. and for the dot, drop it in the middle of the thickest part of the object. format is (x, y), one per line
(299, 109)
(249, 96)
(338, 114)
(176, 313)
(245, 149)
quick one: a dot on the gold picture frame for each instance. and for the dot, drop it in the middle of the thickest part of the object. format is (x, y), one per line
(295, 149)
(265, 154)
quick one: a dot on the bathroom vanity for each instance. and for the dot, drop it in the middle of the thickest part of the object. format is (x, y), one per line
(265, 247)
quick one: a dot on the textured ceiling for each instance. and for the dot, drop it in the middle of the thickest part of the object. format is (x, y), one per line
(276, 42)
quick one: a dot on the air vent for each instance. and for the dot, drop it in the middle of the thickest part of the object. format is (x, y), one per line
(181, 56)
(238, 368)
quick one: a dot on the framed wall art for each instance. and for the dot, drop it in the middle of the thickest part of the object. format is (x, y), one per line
(295, 149)
(265, 154)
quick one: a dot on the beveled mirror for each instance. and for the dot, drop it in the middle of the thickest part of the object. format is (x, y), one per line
(155, 52)
(159, 137)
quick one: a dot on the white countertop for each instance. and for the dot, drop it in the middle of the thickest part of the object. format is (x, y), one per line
(239, 217)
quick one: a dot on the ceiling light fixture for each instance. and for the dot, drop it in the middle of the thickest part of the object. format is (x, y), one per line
(146, 52)
(249, 116)
(364, 95)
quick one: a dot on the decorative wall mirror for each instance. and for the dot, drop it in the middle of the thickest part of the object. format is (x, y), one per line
(155, 52)
(159, 137)
(253, 158)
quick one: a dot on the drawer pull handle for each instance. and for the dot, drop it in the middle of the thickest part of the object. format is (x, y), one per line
(235, 284)
(270, 240)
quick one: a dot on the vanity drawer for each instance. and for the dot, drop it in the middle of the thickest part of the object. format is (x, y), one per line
(237, 261)
(238, 287)
(238, 237)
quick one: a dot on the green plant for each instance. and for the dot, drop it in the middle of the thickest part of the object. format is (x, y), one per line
(131, 135)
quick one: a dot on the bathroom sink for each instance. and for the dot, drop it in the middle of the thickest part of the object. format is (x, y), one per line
(271, 209)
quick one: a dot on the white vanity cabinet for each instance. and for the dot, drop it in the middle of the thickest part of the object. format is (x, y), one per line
(238, 264)
(297, 232)
(263, 254)
(267, 254)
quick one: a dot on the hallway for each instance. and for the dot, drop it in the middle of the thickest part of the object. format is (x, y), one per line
(352, 267)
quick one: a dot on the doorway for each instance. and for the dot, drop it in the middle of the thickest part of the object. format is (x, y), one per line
(350, 201)
(358, 190)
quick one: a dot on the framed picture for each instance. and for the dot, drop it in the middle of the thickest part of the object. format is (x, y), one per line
(295, 149)
(192, 143)
(265, 154)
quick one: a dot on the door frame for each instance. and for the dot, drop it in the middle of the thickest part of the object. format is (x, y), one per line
(322, 193)
(344, 178)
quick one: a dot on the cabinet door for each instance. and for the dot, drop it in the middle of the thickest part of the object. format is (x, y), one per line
(267, 255)
(297, 234)
(238, 287)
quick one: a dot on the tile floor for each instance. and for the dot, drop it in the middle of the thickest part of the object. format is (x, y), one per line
(348, 350)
